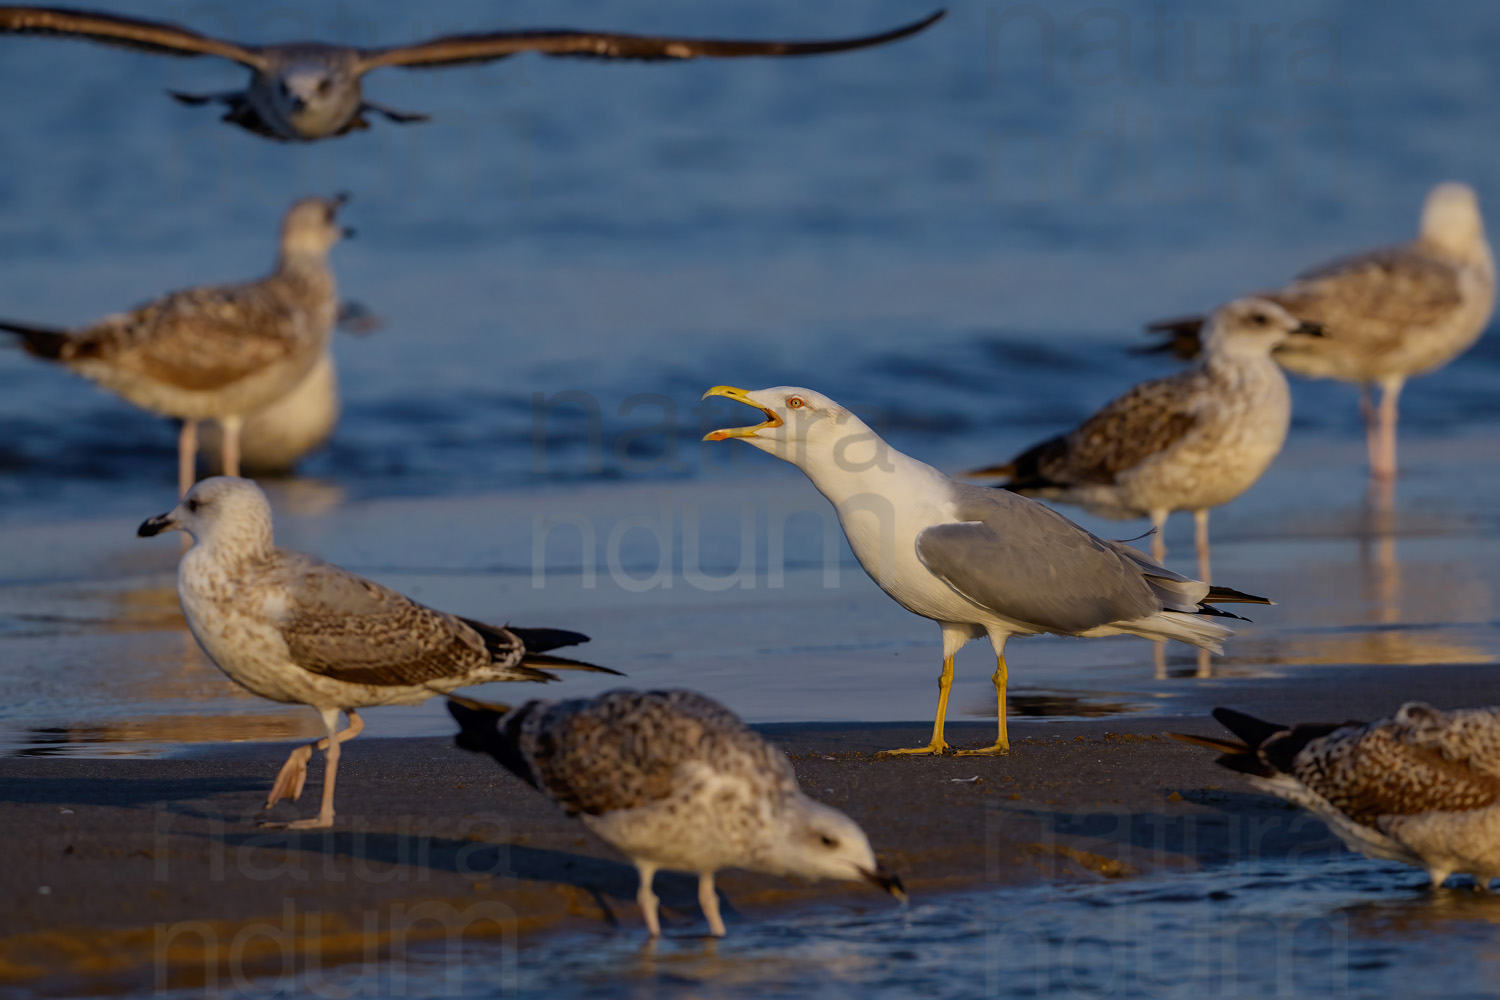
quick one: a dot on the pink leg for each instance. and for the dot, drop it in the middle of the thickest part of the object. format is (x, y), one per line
(1158, 535)
(187, 457)
(1383, 451)
(1200, 539)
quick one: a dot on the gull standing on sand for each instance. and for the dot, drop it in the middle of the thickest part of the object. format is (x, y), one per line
(215, 353)
(673, 780)
(303, 91)
(1390, 313)
(299, 631)
(1422, 787)
(1190, 441)
(977, 561)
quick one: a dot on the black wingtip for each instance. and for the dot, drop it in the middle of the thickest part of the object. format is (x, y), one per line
(1252, 730)
(540, 640)
(477, 722)
(1228, 595)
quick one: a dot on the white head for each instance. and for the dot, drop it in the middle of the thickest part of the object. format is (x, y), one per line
(226, 512)
(1451, 219)
(815, 841)
(1252, 328)
(311, 228)
(807, 429)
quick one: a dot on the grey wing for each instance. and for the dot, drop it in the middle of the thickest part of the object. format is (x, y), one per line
(343, 626)
(158, 37)
(1028, 563)
(628, 749)
(454, 50)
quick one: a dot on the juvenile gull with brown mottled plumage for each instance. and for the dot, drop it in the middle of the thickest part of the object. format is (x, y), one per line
(1391, 313)
(297, 630)
(1422, 787)
(216, 353)
(673, 780)
(1190, 441)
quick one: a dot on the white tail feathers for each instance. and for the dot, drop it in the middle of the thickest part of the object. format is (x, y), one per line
(1196, 630)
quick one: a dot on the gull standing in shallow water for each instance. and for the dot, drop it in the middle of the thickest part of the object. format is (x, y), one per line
(1390, 313)
(673, 780)
(1190, 441)
(215, 353)
(299, 631)
(977, 561)
(1422, 787)
(303, 91)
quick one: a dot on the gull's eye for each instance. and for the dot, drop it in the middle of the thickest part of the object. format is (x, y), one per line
(795, 403)
(192, 506)
(1259, 319)
(325, 85)
(830, 842)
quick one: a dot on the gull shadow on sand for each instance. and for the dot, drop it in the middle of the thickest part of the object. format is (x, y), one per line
(609, 883)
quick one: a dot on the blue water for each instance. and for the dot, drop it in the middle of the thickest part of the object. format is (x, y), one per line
(1335, 928)
(958, 235)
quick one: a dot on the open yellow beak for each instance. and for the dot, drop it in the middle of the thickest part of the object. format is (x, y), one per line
(740, 396)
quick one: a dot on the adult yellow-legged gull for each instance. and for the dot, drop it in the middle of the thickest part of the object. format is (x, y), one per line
(215, 353)
(297, 630)
(303, 91)
(673, 780)
(1422, 787)
(1190, 441)
(977, 561)
(1390, 313)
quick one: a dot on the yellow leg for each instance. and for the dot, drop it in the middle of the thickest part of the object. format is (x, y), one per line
(1002, 741)
(938, 745)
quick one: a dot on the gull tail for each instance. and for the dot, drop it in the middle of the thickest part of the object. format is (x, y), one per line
(494, 730)
(40, 341)
(1192, 628)
(1183, 338)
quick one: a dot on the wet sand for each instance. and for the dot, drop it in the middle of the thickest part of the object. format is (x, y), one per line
(142, 873)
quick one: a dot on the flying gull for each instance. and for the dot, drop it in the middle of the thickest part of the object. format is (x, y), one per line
(977, 561)
(214, 353)
(1190, 441)
(673, 780)
(1390, 313)
(299, 631)
(1422, 787)
(303, 91)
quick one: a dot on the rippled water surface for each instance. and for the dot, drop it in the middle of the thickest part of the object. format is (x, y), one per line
(1342, 928)
(959, 236)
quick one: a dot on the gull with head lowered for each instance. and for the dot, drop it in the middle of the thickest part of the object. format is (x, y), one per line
(977, 561)
(297, 630)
